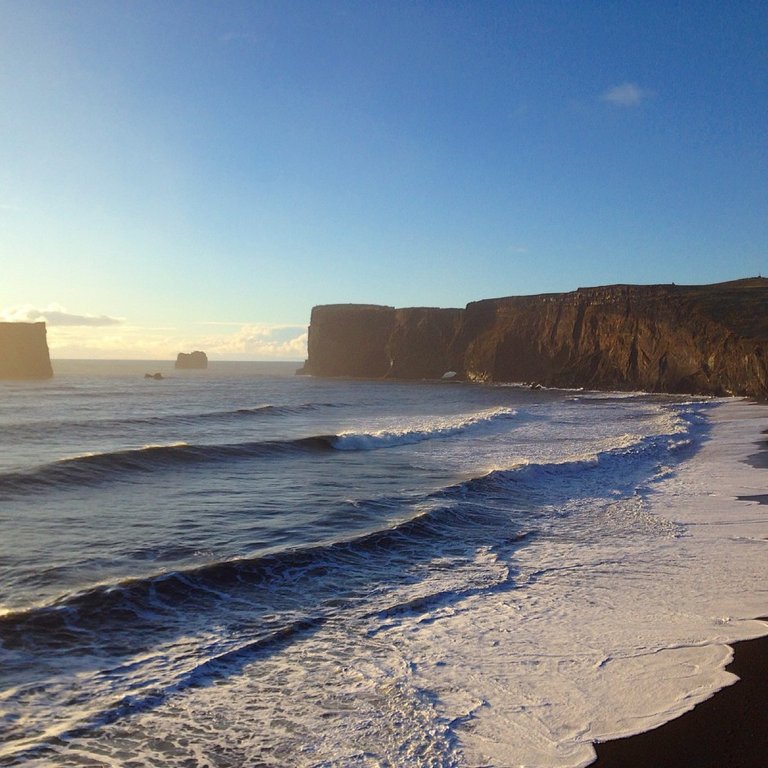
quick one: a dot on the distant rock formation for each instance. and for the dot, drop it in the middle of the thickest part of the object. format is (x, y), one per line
(24, 351)
(710, 339)
(192, 360)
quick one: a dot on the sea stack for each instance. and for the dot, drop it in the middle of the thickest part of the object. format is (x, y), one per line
(195, 360)
(699, 339)
(24, 351)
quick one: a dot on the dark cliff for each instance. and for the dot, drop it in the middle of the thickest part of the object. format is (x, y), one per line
(710, 339)
(24, 351)
(363, 340)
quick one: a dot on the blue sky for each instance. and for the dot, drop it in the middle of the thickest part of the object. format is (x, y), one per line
(185, 174)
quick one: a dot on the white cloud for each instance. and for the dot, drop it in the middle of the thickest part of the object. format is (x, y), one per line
(86, 336)
(120, 342)
(259, 342)
(54, 315)
(626, 95)
(133, 342)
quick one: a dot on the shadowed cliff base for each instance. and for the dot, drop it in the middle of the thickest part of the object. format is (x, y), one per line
(707, 339)
(24, 351)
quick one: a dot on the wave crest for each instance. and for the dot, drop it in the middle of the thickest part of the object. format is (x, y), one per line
(386, 438)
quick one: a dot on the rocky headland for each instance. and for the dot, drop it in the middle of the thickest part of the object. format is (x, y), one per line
(24, 351)
(195, 359)
(702, 339)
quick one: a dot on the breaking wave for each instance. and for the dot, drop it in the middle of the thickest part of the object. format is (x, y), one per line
(98, 468)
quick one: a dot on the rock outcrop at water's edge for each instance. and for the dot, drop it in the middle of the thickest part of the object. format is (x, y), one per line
(709, 339)
(197, 360)
(24, 351)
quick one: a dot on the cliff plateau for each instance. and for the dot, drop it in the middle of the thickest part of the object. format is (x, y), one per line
(709, 339)
(24, 351)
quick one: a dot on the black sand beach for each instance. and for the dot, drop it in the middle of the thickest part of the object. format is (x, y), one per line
(729, 730)
(759, 460)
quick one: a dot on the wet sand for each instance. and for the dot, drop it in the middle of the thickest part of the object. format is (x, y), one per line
(729, 730)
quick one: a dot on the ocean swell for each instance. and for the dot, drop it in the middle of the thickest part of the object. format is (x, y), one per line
(469, 511)
(135, 642)
(98, 468)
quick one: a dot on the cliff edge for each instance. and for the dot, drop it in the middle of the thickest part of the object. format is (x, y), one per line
(708, 339)
(24, 351)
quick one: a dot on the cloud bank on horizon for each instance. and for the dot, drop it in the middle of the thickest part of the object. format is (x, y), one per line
(79, 336)
(54, 315)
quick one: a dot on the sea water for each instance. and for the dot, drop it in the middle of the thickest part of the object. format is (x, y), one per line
(242, 567)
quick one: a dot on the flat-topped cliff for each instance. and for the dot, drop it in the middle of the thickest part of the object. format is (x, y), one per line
(369, 341)
(709, 339)
(24, 351)
(196, 359)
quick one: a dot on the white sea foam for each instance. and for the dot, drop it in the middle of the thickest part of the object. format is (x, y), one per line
(605, 634)
(420, 430)
(611, 635)
(433, 648)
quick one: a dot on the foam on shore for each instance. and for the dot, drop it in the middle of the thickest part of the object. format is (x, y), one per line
(576, 606)
(610, 638)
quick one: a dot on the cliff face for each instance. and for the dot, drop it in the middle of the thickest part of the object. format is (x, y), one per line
(24, 351)
(363, 340)
(664, 338)
(195, 359)
(349, 340)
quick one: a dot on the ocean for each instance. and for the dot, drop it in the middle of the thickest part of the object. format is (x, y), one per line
(242, 567)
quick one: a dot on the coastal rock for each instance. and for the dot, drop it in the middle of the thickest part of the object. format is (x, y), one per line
(24, 351)
(195, 359)
(350, 340)
(369, 341)
(710, 339)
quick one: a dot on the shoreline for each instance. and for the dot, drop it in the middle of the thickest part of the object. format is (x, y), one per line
(729, 729)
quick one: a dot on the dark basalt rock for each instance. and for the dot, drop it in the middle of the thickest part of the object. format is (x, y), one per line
(349, 340)
(368, 341)
(710, 339)
(195, 359)
(24, 351)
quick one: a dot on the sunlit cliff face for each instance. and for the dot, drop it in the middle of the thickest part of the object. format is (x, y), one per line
(24, 351)
(656, 338)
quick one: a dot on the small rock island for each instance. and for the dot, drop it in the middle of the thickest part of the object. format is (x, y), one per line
(193, 360)
(24, 351)
(695, 339)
